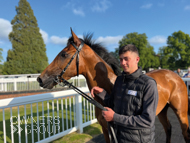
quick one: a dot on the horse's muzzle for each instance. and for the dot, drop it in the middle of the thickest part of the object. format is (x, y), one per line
(40, 81)
(48, 83)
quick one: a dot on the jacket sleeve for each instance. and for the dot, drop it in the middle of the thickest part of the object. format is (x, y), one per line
(147, 118)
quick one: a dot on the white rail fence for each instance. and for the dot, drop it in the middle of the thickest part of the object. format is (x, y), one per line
(44, 117)
(25, 83)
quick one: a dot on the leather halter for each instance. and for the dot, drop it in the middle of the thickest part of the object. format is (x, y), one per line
(77, 59)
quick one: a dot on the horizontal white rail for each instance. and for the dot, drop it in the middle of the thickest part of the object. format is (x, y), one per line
(45, 117)
(24, 83)
(19, 75)
(11, 102)
(185, 79)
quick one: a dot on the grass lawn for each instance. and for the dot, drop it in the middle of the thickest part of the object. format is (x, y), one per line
(89, 132)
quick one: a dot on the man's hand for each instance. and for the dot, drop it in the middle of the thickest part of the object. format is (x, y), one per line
(108, 115)
(96, 90)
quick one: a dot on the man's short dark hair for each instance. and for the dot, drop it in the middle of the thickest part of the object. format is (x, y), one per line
(129, 47)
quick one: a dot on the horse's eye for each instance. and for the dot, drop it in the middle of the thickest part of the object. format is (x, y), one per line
(64, 54)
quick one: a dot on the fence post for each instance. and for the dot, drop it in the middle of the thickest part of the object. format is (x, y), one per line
(5, 84)
(86, 83)
(78, 79)
(79, 113)
(2, 87)
(15, 85)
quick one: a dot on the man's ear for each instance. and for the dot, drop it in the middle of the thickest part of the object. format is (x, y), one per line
(137, 59)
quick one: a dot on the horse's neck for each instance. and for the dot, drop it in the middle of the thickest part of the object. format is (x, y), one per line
(99, 73)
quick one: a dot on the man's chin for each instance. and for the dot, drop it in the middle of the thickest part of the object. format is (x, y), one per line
(126, 71)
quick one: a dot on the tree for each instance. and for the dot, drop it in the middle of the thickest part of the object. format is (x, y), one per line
(1, 57)
(153, 60)
(164, 56)
(148, 58)
(28, 53)
(115, 53)
(1, 60)
(178, 50)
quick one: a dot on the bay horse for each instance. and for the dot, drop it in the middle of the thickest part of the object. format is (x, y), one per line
(101, 69)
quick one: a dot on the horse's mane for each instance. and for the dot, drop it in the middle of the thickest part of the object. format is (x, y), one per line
(101, 51)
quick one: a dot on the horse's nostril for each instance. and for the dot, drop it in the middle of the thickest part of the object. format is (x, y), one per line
(39, 80)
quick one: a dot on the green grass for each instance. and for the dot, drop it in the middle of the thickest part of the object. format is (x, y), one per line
(34, 119)
(89, 132)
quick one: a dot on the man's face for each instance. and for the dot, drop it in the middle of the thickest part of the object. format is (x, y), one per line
(178, 70)
(129, 61)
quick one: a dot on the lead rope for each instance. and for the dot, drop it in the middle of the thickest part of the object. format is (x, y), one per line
(91, 100)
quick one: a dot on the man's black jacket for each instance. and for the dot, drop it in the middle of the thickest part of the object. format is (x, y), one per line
(134, 99)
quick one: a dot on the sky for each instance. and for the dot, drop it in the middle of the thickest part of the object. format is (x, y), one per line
(108, 20)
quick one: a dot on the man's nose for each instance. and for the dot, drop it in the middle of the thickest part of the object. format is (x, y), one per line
(122, 62)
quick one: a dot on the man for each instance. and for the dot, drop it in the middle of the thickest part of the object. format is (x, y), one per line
(179, 72)
(187, 74)
(132, 104)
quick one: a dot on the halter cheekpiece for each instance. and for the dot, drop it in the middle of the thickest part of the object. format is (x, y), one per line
(78, 49)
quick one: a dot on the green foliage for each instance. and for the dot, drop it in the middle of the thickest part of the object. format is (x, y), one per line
(28, 53)
(1, 60)
(163, 57)
(1, 67)
(1, 57)
(148, 58)
(177, 53)
(179, 48)
(116, 53)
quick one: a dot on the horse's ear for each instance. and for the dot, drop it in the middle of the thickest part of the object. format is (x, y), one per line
(76, 40)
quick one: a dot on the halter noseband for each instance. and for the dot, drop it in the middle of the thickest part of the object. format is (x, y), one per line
(77, 60)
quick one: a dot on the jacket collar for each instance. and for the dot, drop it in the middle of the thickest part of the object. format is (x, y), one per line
(132, 76)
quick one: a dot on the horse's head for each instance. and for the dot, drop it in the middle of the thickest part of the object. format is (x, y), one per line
(64, 65)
